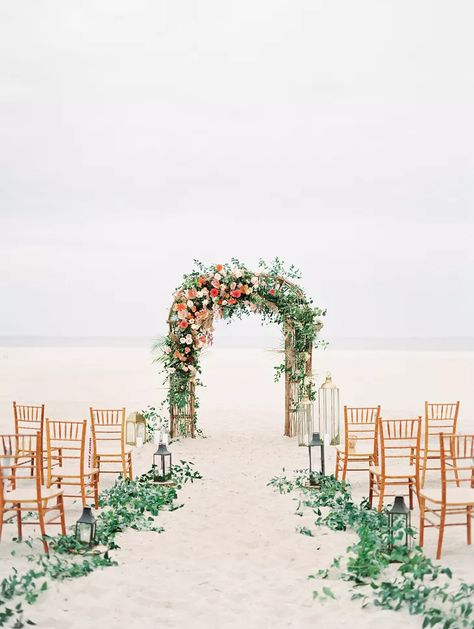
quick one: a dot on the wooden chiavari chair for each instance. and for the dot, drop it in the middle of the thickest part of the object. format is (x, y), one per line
(439, 418)
(67, 465)
(360, 427)
(456, 494)
(21, 488)
(108, 435)
(29, 419)
(399, 441)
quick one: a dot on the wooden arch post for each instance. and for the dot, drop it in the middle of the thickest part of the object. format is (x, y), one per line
(292, 390)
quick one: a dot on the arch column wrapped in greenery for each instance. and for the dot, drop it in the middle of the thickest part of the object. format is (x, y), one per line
(232, 290)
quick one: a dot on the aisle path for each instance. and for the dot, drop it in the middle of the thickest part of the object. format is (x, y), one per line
(230, 558)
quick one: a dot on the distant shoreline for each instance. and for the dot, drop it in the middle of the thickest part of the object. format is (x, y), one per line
(263, 342)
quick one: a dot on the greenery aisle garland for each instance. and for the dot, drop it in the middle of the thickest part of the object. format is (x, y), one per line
(128, 504)
(418, 584)
(232, 290)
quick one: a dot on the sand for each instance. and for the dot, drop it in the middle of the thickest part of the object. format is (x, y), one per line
(231, 557)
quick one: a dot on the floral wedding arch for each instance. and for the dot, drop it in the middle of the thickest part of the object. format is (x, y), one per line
(232, 290)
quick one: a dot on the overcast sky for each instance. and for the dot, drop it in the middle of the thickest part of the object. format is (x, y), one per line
(138, 135)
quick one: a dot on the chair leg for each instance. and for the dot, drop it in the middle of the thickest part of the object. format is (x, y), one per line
(19, 525)
(2, 515)
(371, 489)
(344, 467)
(83, 492)
(336, 471)
(381, 495)
(442, 520)
(468, 524)
(124, 466)
(425, 464)
(60, 504)
(42, 527)
(422, 523)
(96, 464)
(130, 470)
(410, 493)
(95, 481)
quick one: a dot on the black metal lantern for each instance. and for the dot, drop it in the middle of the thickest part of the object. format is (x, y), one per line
(399, 523)
(162, 464)
(86, 528)
(315, 442)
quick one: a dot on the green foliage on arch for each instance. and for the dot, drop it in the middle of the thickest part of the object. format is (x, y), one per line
(232, 290)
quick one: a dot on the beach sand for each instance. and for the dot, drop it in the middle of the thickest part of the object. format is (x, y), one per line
(231, 557)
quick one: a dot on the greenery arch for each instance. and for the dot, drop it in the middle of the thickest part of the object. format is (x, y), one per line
(232, 290)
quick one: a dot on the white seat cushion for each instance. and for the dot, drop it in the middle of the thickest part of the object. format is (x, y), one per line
(454, 495)
(28, 494)
(70, 471)
(112, 449)
(404, 471)
(361, 450)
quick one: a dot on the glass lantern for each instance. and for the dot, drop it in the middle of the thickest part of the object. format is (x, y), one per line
(162, 464)
(329, 411)
(316, 442)
(399, 523)
(135, 429)
(86, 528)
(305, 421)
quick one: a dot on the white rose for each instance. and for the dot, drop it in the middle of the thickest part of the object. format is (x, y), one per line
(205, 302)
(217, 276)
(254, 280)
(167, 350)
(172, 369)
(249, 290)
(224, 302)
(237, 273)
(182, 340)
(189, 303)
(199, 293)
(195, 326)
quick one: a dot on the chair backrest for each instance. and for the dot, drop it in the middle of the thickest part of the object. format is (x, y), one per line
(440, 418)
(399, 442)
(14, 470)
(66, 444)
(28, 418)
(108, 426)
(360, 422)
(457, 461)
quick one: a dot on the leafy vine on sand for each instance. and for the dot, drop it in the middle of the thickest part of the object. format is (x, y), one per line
(128, 504)
(419, 585)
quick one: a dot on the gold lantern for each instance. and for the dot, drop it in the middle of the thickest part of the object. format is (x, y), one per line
(329, 412)
(135, 429)
(304, 421)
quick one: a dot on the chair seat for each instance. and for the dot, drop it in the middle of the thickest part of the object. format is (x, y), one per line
(112, 450)
(454, 495)
(65, 471)
(404, 471)
(361, 451)
(28, 494)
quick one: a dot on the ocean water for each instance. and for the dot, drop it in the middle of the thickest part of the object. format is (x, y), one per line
(239, 393)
